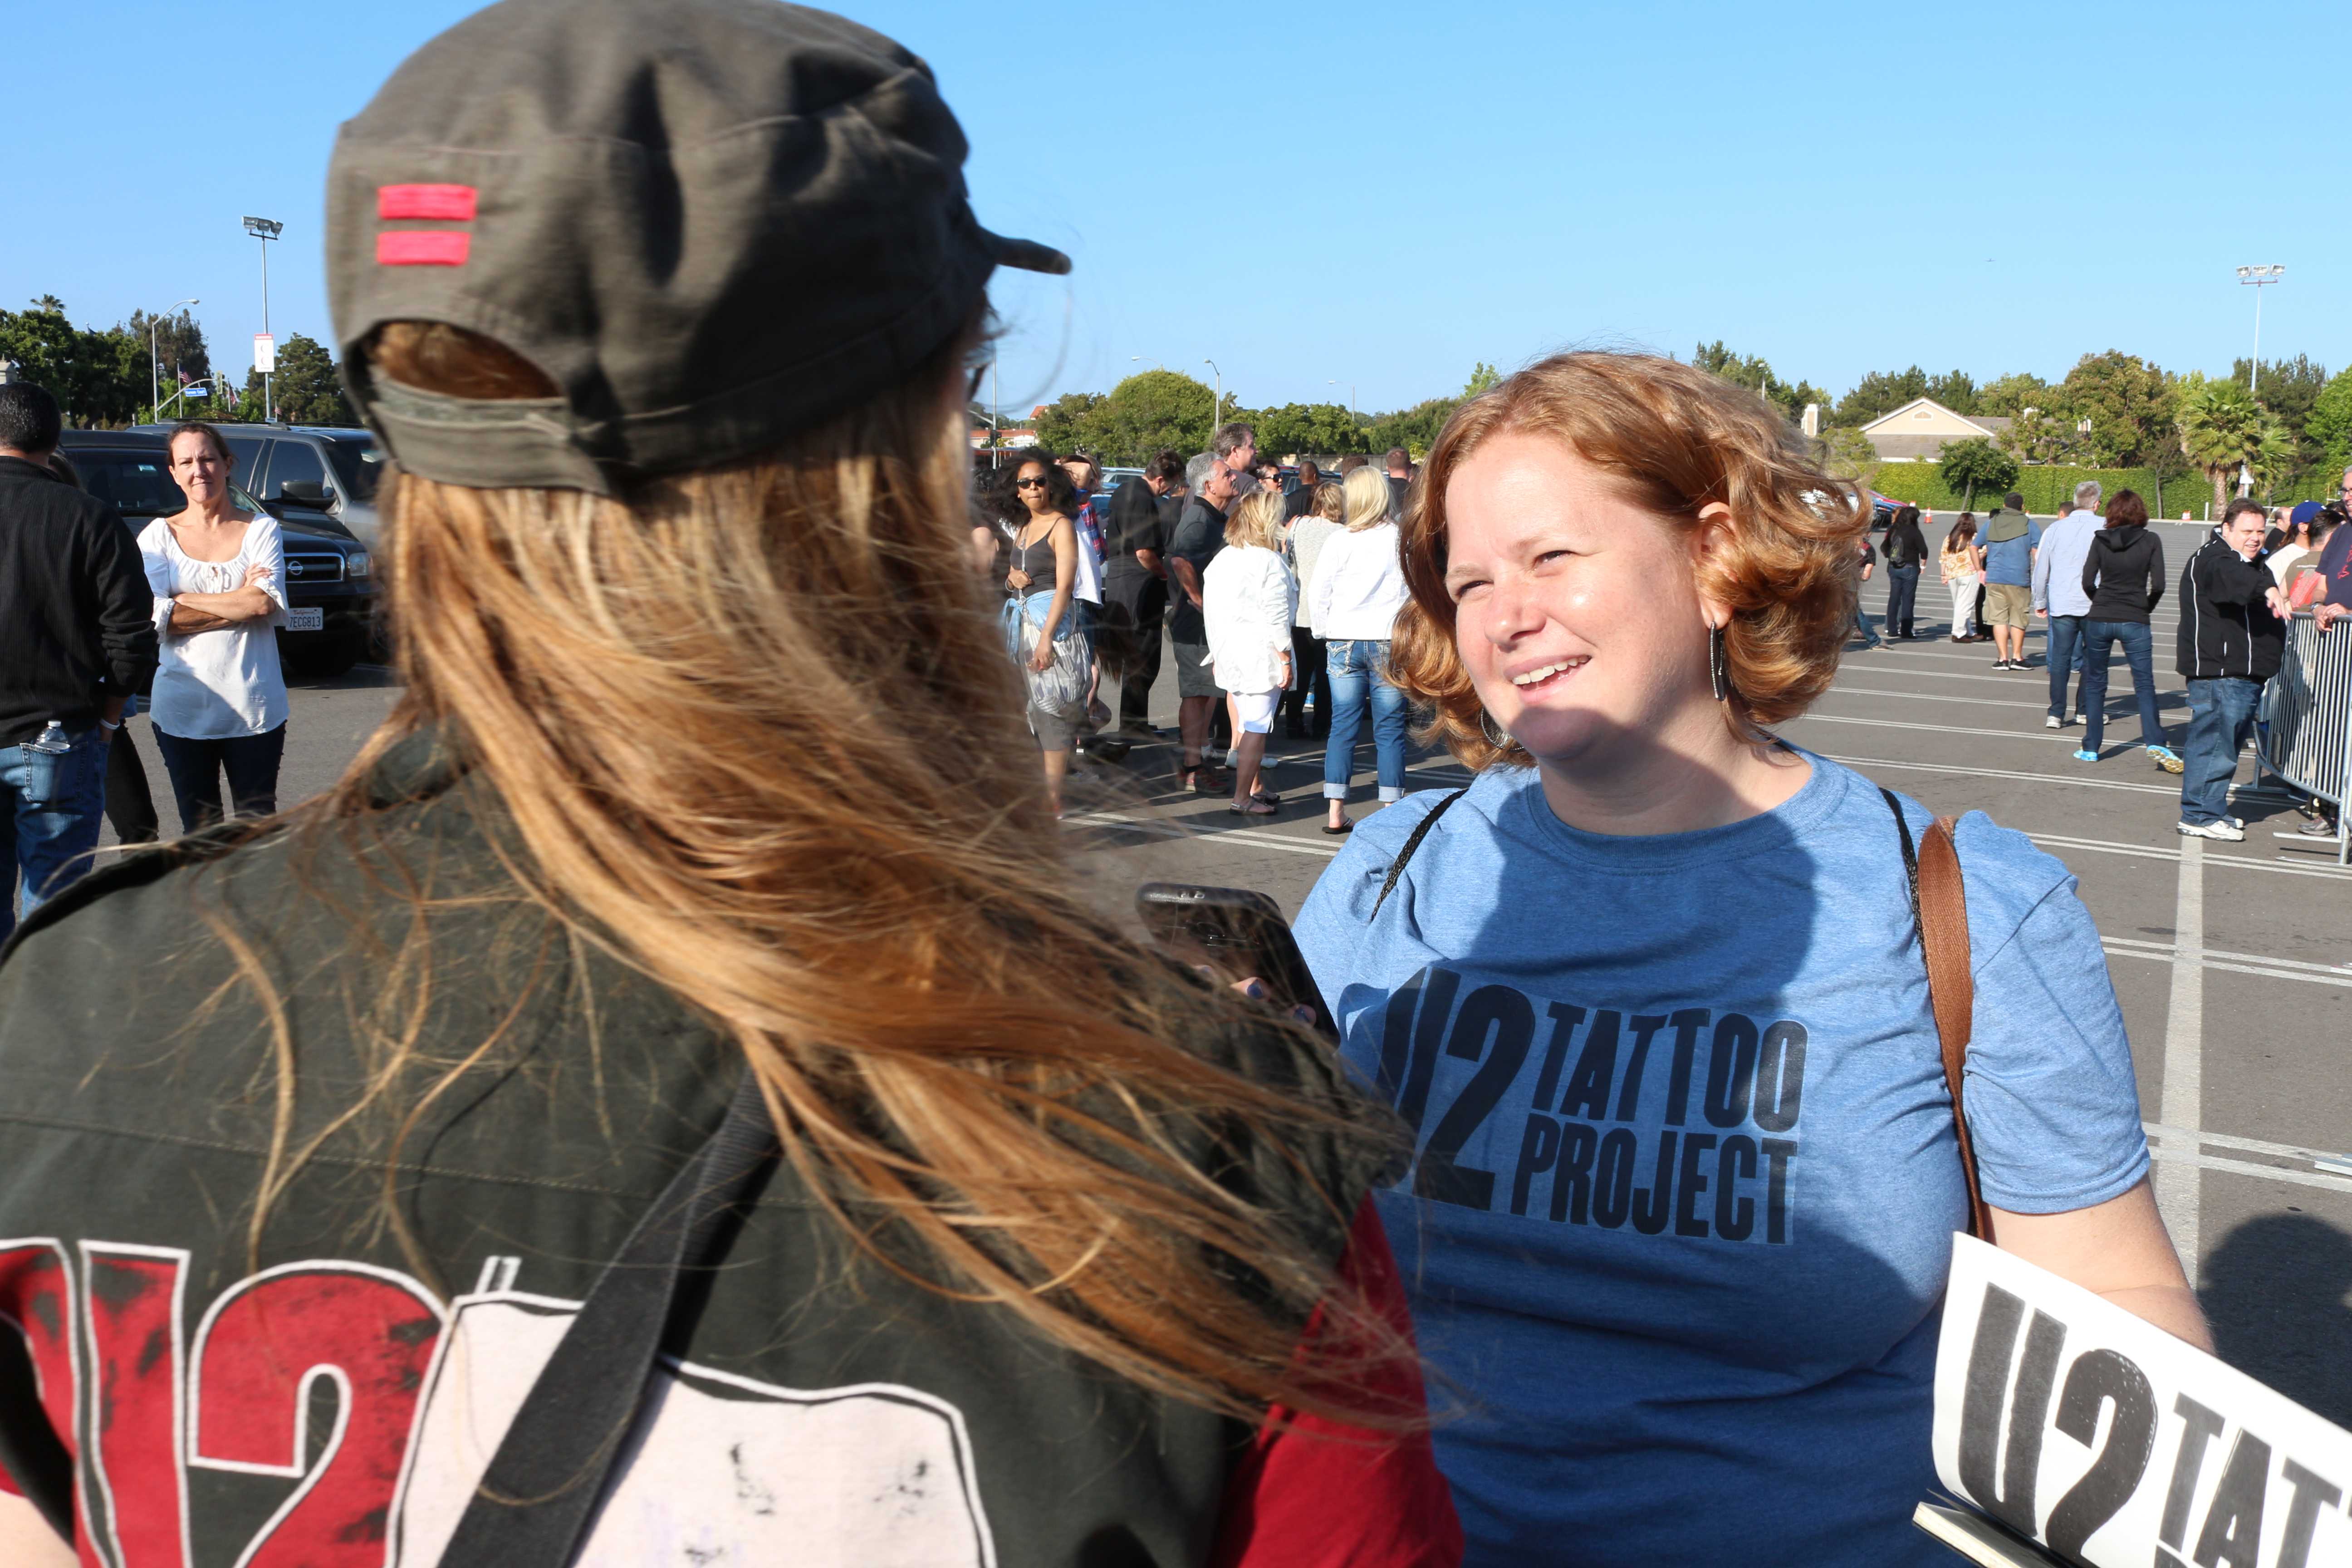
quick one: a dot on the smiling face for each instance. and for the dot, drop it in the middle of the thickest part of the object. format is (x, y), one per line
(198, 468)
(1576, 612)
(2244, 534)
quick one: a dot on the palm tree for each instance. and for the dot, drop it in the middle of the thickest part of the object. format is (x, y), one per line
(2223, 427)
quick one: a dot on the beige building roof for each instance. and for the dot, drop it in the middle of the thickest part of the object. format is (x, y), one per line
(1919, 431)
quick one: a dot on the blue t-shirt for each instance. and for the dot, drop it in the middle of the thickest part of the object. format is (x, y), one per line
(1680, 1213)
(2012, 560)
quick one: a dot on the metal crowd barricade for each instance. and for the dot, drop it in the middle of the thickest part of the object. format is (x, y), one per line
(2307, 718)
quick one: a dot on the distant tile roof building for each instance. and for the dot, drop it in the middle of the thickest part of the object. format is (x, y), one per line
(1919, 430)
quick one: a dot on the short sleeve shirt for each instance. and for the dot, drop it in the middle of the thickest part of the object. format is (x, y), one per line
(2012, 560)
(2335, 566)
(1134, 525)
(1200, 535)
(1681, 1214)
(226, 682)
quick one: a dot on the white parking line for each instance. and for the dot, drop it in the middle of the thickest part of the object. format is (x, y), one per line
(1177, 827)
(2248, 963)
(2177, 1182)
(2079, 782)
(1939, 729)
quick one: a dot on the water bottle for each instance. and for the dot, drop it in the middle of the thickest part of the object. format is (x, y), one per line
(43, 770)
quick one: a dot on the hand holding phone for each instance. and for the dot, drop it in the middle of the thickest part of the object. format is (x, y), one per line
(1238, 934)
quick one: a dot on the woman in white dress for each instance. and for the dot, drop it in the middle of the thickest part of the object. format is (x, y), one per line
(1247, 599)
(219, 703)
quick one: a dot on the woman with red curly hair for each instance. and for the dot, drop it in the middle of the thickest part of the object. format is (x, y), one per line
(1650, 995)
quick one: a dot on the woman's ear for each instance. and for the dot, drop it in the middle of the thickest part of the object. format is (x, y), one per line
(1712, 536)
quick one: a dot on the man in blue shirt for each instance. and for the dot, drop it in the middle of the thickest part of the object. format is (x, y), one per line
(2058, 592)
(2009, 539)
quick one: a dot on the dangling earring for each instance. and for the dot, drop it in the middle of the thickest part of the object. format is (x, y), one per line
(1497, 738)
(1718, 664)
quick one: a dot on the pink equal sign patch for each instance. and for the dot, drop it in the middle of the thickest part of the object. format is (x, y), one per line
(423, 248)
(440, 203)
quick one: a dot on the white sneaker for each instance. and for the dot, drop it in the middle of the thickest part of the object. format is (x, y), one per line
(2053, 722)
(2228, 832)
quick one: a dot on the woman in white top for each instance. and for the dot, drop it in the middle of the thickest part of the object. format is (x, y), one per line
(1327, 514)
(1248, 601)
(1357, 588)
(217, 574)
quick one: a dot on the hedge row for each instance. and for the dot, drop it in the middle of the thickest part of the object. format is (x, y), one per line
(2044, 487)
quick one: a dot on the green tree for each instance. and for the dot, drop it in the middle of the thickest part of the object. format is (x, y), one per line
(2129, 405)
(2329, 425)
(98, 378)
(1756, 374)
(1955, 389)
(304, 385)
(1484, 377)
(180, 346)
(1071, 422)
(2222, 429)
(1304, 428)
(1415, 429)
(1880, 391)
(2012, 394)
(2290, 388)
(1976, 464)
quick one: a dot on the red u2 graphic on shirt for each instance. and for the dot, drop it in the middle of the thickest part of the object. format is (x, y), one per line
(237, 1399)
(256, 1356)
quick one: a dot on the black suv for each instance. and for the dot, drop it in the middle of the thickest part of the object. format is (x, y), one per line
(329, 581)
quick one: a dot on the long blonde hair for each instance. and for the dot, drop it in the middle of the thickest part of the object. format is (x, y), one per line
(716, 712)
(1256, 520)
(1371, 502)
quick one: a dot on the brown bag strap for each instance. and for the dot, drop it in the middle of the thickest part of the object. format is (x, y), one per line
(1939, 907)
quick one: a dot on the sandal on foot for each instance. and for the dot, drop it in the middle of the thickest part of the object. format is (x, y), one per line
(1254, 808)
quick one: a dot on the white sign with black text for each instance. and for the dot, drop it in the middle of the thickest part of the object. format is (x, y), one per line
(2109, 1442)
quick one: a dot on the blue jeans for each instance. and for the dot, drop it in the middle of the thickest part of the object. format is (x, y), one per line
(1901, 599)
(1862, 624)
(2065, 651)
(1357, 679)
(2099, 639)
(51, 807)
(2221, 714)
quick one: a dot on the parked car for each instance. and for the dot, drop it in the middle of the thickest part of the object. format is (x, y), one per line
(330, 579)
(316, 467)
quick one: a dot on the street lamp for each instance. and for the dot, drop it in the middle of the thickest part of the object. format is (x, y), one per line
(156, 366)
(265, 230)
(1138, 359)
(2258, 277)
(1216, 407)
(1351, 398)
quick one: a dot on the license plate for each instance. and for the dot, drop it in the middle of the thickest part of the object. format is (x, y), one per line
(313, 620)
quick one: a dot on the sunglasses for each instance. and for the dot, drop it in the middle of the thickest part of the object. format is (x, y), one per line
(1028, 484)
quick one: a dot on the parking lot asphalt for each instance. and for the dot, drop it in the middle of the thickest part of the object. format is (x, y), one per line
(2233, 961)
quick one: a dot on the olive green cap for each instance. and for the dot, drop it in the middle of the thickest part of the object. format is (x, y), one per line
(711, 223)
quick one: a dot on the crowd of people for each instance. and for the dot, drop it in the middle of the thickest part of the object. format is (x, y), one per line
(1276, 602)
(2094, 576)
(672, 1090)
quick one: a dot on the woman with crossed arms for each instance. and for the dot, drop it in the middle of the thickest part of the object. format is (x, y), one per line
(1649, 995)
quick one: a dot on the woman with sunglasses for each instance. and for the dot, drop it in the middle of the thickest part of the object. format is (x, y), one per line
(1040, 572)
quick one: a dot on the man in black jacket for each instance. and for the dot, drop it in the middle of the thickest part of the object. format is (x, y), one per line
(1135, 590)
(2231, 637)
(77, 639)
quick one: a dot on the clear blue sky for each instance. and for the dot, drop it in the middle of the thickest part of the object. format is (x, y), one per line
(1381, 193)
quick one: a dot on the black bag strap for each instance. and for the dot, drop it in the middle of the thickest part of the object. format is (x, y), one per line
(1412, 842)
(539, 1494)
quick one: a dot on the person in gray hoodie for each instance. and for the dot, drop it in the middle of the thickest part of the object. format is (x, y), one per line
(2123, 573)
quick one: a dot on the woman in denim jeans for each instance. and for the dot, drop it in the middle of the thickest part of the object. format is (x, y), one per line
(2124, 575)
(1358, 588)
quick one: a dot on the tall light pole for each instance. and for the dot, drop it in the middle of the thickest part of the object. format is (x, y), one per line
(266, 230)
(1351, 396)
(156, 366)
(2258, 277)
(1138, 359)
(996, 427)
(1216, 407)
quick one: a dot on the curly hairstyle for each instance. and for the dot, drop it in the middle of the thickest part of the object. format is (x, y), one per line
(1677, 439)
(1061, 490)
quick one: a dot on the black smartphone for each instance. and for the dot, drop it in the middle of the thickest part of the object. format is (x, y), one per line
(1238, 934)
